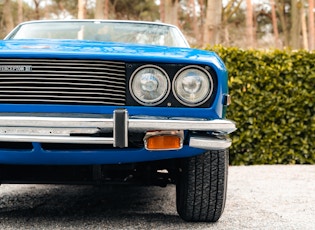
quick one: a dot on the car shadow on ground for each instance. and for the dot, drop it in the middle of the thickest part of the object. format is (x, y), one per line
(63, 203)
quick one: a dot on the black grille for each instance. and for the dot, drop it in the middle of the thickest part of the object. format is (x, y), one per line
(52, 81)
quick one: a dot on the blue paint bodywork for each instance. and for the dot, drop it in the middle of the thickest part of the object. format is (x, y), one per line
(66, 49)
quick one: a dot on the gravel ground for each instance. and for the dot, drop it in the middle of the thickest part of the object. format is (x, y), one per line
(259, 197)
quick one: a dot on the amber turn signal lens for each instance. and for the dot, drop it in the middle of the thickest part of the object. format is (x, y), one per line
(163, 142)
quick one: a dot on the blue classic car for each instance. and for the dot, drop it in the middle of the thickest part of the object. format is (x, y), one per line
(98, 101)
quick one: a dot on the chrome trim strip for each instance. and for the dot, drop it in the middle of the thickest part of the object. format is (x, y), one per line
(56, 122)
(142, 124)
(57, 139)
(210, 143)
(224, 126)
(46, 131)
(57, 129)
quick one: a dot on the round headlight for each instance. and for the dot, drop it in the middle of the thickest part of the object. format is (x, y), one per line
(192, 86)
(149, 85)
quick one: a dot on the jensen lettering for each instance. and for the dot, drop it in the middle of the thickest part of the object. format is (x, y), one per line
(15, 68)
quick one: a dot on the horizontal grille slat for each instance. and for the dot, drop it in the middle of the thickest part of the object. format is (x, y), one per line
(59, 101)
(55, 97)
(39, 89)
(54, 81)
(38, 84)
(13, 79)
(13, 61)
(45, 92)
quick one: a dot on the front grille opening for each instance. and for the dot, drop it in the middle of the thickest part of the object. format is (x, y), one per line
(71, 82)
(16, 146)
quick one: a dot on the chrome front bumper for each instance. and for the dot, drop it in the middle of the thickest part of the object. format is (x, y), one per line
(56, 128)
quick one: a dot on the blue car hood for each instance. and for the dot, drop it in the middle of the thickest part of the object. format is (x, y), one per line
(44, 48)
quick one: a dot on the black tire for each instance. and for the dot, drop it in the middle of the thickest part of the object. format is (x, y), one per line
(201, 186)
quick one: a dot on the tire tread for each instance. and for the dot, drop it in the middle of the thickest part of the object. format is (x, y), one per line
(201, 187)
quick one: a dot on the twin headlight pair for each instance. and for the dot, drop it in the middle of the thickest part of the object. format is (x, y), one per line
(150, 85)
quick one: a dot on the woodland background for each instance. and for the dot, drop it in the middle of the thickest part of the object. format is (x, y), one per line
(241, 23)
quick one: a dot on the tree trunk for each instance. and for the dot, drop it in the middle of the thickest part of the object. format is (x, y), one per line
(304, 28)
(99, 9)
(249, 24)
(7, 16)
(311, 32)
(171, 12)
(212, 24)
(192, 5)
(162, 11)
(81, 5)
(202, 20)
(20, 11)
(296, 6)
(283, 21)
(106, 9)
(36, 3)
(230, 9)
(274, 24)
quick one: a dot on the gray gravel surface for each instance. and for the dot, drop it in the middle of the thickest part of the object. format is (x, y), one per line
(259, 197)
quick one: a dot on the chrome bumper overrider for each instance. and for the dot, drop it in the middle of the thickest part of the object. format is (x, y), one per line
(56, 128)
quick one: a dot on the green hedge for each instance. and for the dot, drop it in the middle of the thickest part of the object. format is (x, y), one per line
(273, 104)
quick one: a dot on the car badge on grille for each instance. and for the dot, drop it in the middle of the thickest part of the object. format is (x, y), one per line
(15, 68)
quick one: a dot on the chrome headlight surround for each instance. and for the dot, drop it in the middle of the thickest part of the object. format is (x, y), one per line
(149, 85)
(192, 85)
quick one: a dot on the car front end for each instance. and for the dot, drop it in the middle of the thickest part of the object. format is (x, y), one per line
(58, 97)
(81, 111)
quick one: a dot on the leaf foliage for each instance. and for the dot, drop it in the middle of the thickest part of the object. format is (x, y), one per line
(273, 104)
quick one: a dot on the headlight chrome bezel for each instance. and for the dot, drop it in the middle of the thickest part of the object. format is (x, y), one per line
(159, 99)
(204, 98)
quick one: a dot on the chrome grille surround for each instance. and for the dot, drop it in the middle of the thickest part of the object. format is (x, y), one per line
(60, 81)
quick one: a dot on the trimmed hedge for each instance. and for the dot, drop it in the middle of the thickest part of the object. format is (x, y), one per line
(273, 104)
